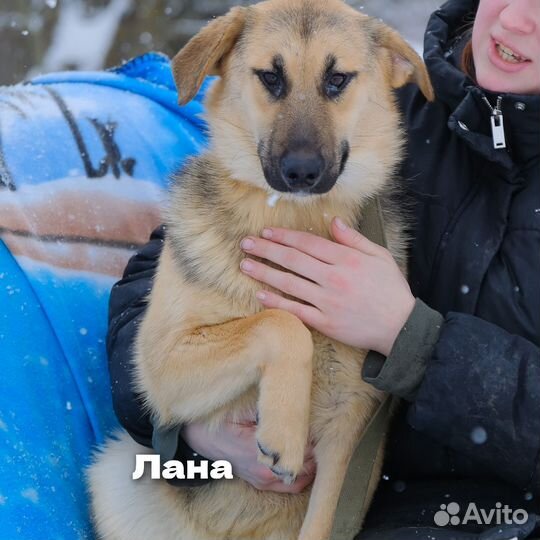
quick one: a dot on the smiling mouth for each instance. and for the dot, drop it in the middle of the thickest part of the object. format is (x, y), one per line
(508, 55)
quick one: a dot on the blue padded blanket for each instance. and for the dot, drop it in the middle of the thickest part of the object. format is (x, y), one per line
(85, 160)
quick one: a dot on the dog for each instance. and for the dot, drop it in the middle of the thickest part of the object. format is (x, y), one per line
(304, 110)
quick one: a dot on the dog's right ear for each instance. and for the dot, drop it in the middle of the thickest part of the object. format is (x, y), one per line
(405, 65)
(203, 53)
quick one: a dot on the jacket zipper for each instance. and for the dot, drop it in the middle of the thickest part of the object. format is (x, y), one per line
(497, 123)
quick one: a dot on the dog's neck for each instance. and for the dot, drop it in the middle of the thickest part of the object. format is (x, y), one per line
(208, 196)
(254, 211)
(210, 214)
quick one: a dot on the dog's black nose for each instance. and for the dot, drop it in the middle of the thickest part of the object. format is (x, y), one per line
(301, 169)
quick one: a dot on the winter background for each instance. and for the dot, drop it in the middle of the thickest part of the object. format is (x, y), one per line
(42, 36)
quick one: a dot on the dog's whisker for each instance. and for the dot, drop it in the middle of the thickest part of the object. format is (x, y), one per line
(240, 128)
(374, 133)
(378, 104)
(244, 155)
(358, 142)
(360, 165)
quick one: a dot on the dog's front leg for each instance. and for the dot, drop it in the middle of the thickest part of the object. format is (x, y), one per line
(190, 373)
(333, 454)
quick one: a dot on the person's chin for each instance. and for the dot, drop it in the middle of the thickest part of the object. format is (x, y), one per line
(495, 82)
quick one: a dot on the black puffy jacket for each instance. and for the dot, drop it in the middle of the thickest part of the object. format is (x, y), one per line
(471, 431)
(473, 426)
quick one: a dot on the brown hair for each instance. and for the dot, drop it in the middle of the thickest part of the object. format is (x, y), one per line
(467, 61)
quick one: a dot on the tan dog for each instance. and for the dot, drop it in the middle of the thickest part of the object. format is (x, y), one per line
(304, 107)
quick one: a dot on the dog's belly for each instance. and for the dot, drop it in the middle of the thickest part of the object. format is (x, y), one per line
(341, 402)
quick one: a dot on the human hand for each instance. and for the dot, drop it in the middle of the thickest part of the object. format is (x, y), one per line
(354, 289)
(235, 442)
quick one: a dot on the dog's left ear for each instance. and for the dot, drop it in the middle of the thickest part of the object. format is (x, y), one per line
(204, 52)
(405, 66)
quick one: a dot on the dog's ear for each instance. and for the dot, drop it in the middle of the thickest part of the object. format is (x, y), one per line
(406, 66)
(203, 53)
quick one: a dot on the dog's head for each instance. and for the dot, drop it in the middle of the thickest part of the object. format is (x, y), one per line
(304, 101)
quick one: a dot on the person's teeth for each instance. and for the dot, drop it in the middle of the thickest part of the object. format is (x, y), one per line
(509, 55)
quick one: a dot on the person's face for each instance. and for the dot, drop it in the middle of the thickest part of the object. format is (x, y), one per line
(506, 46)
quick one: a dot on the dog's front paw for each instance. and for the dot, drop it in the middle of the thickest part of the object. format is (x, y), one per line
(283, 456)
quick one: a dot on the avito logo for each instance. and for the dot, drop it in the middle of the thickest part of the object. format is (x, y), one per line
(449, 514)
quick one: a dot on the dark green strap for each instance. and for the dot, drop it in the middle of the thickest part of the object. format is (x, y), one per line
(350, 508)
(372, 223)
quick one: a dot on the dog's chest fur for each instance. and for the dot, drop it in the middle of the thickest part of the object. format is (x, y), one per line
(208, 217)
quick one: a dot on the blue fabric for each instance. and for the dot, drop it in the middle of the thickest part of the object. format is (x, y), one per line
(80, 153)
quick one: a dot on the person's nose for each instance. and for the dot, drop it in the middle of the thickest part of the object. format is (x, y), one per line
(520, 17)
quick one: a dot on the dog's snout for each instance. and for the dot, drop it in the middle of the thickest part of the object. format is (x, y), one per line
(301, 169)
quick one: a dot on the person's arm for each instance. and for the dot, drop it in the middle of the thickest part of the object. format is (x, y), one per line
(472, 386)
(127, 305)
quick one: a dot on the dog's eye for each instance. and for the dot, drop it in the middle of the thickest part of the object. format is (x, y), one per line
(338, 80)
(272, 81)
(336, 83)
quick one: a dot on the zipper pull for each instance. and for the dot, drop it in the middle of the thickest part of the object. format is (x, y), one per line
(497, 123)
